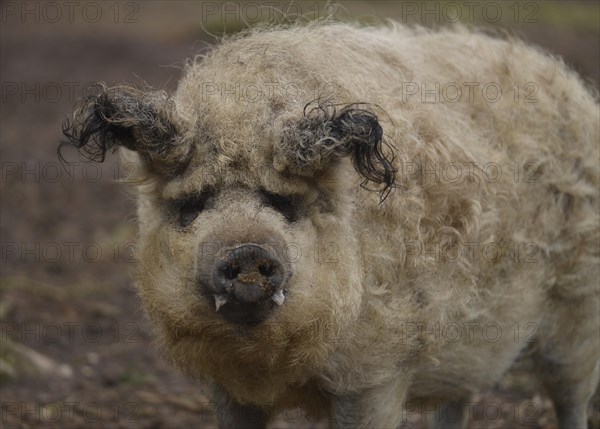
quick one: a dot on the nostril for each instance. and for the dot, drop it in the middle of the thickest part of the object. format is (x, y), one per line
(266, 269)
(230, 272)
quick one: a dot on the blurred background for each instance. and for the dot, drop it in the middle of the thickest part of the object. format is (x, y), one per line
(76, 350)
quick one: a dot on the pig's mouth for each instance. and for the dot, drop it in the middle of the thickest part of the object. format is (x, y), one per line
(248, 313)
(220, 300)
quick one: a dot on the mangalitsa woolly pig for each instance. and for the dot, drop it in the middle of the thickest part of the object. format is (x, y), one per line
(356, 220)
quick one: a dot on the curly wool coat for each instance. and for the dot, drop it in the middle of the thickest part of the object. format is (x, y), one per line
(481, 245)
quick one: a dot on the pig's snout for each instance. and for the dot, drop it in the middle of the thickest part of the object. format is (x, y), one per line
(247, 283)
(249, 274)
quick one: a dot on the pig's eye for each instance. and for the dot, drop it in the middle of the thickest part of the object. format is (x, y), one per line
(287, 206)
(184, 212)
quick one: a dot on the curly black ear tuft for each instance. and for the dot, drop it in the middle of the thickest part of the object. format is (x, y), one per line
(111, 117)
(362, 135)
(324, 133)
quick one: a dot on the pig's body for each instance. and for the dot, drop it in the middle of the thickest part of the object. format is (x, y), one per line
(487, 245)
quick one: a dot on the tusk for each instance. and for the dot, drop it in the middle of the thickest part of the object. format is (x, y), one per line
(220, 301)
(279, 297)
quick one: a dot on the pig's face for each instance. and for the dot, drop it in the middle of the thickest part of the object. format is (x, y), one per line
(245, 219)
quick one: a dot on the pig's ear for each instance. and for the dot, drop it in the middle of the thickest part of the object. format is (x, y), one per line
(124, 116)
(324, 133)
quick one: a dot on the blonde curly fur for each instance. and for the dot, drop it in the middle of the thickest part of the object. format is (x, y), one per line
(512, 242)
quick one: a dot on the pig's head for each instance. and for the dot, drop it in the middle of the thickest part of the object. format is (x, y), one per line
(249, 264)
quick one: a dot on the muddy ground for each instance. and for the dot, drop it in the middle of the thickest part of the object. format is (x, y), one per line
(76, 348)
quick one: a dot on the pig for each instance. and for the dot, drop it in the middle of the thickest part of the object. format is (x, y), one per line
(357, 220)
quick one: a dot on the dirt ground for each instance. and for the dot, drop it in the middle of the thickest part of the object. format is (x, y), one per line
(77, 351)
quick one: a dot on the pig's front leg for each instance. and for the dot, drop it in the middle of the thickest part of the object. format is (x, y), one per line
(380, 407)
(233, 415)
